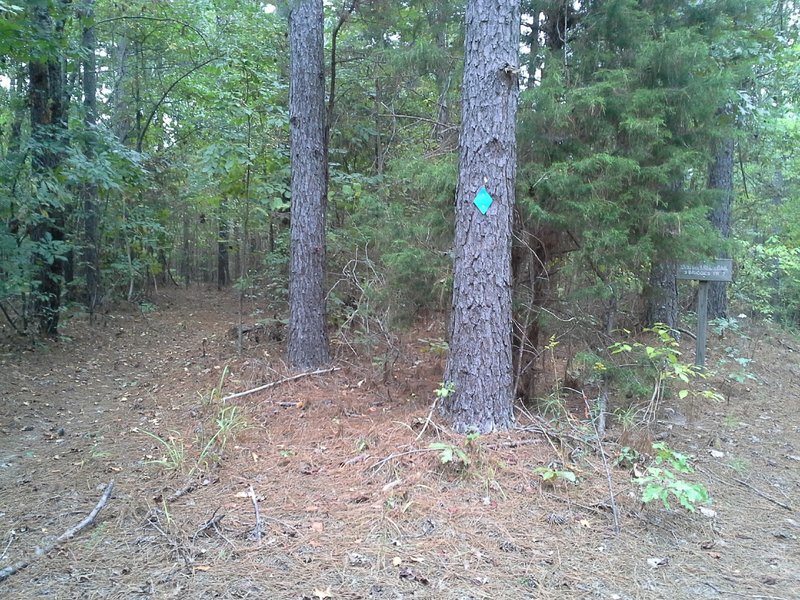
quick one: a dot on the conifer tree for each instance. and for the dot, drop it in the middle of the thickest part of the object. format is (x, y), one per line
(308, 336)
(479, 367)
(48, 113)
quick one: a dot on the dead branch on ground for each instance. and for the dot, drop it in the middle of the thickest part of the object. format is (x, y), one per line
(64, 537)
(257, 529)
(267, 386)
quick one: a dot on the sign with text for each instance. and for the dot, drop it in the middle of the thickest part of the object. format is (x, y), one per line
(718, 270)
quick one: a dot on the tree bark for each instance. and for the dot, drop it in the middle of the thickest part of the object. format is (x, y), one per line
(720, 177)
(223, 272)
(308, 336)
(480, 366)
(90, 258)
(662, 294)
(47, 108)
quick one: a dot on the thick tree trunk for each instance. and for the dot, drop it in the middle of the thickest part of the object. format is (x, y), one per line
(720, 177)
(662, 294)
(90, 258)
(47, 108)
(480, 365)
(308, 336)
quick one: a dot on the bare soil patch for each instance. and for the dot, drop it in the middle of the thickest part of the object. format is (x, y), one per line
(352, 502)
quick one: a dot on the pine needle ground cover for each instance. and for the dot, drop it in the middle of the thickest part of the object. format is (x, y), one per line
(332, 485)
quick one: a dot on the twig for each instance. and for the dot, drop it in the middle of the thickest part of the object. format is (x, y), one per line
(11, 537)
(11, 322)
(179, 548)
(212, 523)
(512, 444)
(279, 382)
(428, 420)
(257, 530)
(751, 488)
(190, 486)
(378, 465)
(356, 459)
(613, 502)
(64, 537)
(763, 495)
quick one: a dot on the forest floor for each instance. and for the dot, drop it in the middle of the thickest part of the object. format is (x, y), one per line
(352, 501)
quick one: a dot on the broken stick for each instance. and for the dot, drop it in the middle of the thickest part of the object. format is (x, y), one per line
(261, 388)
(257, 530)
(64, 537)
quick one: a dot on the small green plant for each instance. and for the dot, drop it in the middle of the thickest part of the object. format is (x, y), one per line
(229, 422)
(723, 325)
(740, 465)
(552, 475)
(662, 480)
(97, 535)
(552, 405)
(662, 363)
(628, 457)
(436, 346)
(444, 390)
(147, 307)
(97, 453)
(174, 451)
(215, 395)
(450, 454)
(740, 372)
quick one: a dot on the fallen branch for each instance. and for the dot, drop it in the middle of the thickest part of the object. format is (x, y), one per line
(64, 537)
(261, 388)
(609, 479)
(429, 420)
(378, 465)
(257, 530)
(763, 495)
(750, 487)
(188, 488)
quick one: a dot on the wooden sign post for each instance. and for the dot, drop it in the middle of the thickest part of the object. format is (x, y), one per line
(718, 270)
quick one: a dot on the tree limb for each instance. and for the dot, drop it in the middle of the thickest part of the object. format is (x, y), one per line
(158, 104)
(64, 537)
(279, 382)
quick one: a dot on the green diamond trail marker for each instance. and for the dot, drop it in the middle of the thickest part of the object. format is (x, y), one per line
(483, 200)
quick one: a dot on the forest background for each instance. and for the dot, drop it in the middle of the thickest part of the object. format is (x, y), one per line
(146, 144)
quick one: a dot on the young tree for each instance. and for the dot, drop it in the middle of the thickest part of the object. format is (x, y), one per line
(308, 337)
(480, 366)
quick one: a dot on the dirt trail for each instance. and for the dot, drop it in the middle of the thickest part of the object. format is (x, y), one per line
(339, 521)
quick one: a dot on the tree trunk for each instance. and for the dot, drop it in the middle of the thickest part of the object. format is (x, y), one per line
(662, 294)
(185, 258)
(47, 109)
(480, 366)
(308, 336)
(720, 177)
(90, 259)
(223, 273)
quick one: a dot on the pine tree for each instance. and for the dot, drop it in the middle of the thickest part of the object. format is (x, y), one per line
(479, 366)
(308, 337)
(48, 112)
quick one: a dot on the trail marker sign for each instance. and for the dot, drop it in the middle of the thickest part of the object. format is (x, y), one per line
(717, 270)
